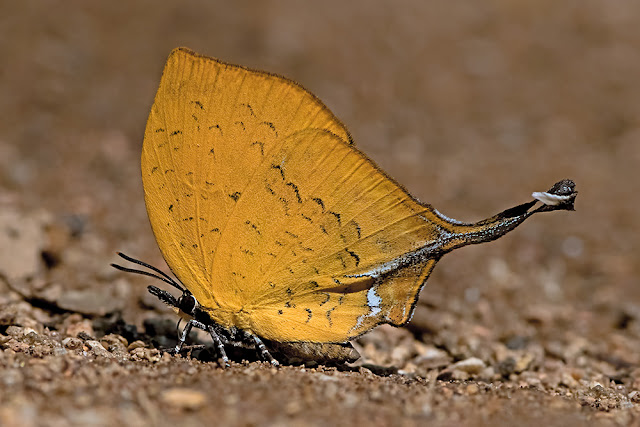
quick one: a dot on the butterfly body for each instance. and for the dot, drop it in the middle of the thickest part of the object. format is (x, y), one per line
(271, 218)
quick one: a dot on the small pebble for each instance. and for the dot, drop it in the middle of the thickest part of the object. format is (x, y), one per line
(183, 398)
(472, 365)
(472, 389)
(72, 343)
(97, 349)
(149, 354)
(136, 344)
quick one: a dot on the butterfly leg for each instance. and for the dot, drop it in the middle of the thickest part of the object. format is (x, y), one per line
(212, 332)
(183, 335)
(218, 342)
(264, 353)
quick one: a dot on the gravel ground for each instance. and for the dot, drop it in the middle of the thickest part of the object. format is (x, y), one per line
(471, 106)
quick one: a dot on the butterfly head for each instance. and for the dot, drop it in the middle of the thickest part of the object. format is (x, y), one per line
(188, 304)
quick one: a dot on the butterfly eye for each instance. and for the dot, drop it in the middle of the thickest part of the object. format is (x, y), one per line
(188, 303)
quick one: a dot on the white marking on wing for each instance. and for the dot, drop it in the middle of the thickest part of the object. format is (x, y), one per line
(549, 199)
(373, 302)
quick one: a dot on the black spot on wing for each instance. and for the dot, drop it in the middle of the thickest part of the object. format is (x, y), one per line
(235, 196)
(354, 256)
(175, 132)
(278, 168)
(319, 201)
(296, 190)
(271, 126)
(327, 298)
(198, 104)
(329, 316)
(336, 215)
(248, 106)
(342, 261)
(259, 145)
(253, 226)
(356, 226)
(216, 127)
(247, 252)
(308, 310)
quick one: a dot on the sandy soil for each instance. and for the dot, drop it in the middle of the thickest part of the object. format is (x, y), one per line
(471, 106)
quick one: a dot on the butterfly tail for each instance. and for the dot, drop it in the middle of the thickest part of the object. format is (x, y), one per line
(559, 197)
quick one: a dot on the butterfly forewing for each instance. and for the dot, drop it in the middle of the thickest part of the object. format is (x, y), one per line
(209, 130)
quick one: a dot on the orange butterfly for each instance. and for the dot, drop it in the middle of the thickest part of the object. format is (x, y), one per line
(276, 225)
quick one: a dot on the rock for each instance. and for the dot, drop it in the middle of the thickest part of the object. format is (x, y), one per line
(472, 389)
(97, 349)
(114, 343)
(78, 325)
(136, 344)
(183, 398)
(472, 365)
(72, 343)
(147, 354)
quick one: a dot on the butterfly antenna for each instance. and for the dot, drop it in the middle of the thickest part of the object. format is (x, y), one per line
(161, 275)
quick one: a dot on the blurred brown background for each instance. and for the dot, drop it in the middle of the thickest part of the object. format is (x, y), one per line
(470, 105)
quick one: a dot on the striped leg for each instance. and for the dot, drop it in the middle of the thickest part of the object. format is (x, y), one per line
(218, 342)
(212, 332)
(264, 353)
(183, 336)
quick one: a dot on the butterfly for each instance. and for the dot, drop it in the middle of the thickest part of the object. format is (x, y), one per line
(277, 228)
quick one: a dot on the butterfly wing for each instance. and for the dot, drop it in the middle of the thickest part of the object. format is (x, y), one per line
(209, 129)
(320, 242)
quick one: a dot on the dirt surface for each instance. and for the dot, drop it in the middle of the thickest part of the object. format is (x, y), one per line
(472, 106)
